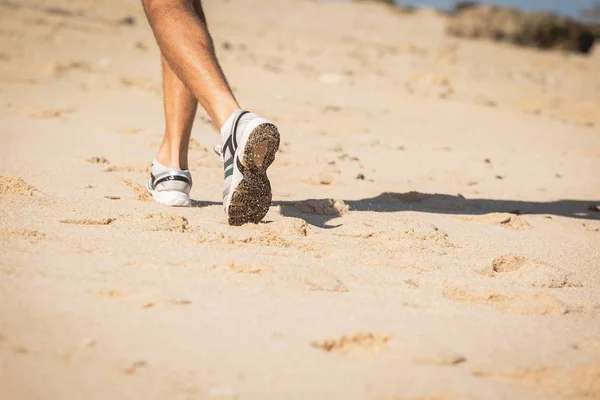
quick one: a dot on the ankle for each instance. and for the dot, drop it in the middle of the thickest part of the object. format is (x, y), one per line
(170, 160)
(221, 114)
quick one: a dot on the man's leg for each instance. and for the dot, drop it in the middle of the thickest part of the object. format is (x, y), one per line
(180, 109)
(182, 34)
(249, 142)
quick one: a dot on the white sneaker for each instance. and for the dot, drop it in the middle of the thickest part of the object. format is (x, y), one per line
(170, 186)
(249, 147)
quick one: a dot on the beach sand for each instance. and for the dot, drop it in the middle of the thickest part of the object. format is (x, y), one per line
(434, 232)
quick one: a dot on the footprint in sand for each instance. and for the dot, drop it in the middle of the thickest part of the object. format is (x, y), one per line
(155, 222)
(31, 236)
(151, 222)
(298, 277)
(525, 271)
(577, 382)
(357, 345)
(505, 220)
(413, 235)
(367, 344)
(517, 303)
(16, 186)
(286, 233)
(140, 190)
(425, 233)
(236, 268)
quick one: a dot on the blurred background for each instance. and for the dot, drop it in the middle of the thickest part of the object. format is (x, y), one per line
(574, 8)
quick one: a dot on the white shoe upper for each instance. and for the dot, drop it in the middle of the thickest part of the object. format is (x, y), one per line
(170, 186)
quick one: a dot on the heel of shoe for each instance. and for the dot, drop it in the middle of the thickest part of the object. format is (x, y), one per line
(171, 198)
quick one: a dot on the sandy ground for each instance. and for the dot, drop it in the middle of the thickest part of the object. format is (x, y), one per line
(429, 237)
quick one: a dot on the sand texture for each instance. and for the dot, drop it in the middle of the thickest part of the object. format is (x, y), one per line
(434, 232)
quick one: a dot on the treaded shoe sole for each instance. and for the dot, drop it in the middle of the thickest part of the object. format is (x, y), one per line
(251, 198)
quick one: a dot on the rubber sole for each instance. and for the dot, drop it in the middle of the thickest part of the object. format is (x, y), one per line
(251, 198)
(171, 198)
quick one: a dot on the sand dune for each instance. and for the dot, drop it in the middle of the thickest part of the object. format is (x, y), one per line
(434, 232)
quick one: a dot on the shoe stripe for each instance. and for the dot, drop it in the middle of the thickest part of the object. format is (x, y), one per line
(173, 178)
(228, 172)
(240, 165)
(231, 143)
(234, 128)
(228, 163)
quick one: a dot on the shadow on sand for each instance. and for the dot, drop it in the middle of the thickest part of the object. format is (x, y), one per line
(320, 212)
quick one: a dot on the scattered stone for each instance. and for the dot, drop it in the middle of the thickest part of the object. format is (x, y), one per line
(127, 20)
(97, 160)
(442, 357)
(141, 46)
(322, 178)
(505, 220)
(135, 366)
